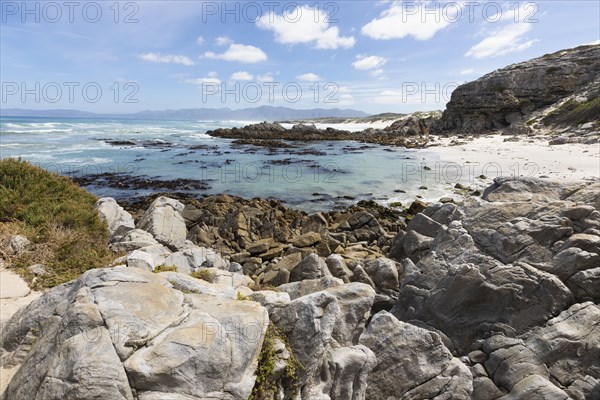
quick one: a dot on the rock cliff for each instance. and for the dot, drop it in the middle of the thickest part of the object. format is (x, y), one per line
(562, 88)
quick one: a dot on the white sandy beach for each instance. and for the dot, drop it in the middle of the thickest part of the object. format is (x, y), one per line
(530, 157)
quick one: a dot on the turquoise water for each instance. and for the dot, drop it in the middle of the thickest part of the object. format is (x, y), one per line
(163, 150)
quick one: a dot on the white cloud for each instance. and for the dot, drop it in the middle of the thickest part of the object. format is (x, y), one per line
(223, 41)
(593, 43)
(240, 53)
(346, 99)
(309, 77)
(365, 62)
(421, 20)
(166, 59)
(305, 25)
(505, 40)
(200, 40)
(266, 77)
(211, 79)
(467, 71)
(377, 73)
(241, 76)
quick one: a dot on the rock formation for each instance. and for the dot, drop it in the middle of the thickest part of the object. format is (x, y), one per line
(496, 297)
(560, 88)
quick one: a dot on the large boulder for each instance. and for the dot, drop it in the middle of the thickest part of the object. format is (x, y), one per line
(467, 294)
(322, 329)
(311, 267)
(133, 240)
(126, 333)
(564, 351)
(164, 221)
(119, 221)
(192, 258)
(412, 363)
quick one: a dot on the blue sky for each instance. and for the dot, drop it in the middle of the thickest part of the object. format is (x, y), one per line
(375, 56)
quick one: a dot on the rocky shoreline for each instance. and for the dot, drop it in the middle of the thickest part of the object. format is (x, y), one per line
(494, 294)
(409, 132)
(494, 297)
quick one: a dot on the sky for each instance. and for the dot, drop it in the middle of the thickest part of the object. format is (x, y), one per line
(373, 56)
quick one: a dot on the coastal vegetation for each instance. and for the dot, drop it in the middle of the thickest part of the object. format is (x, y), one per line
(59, 219)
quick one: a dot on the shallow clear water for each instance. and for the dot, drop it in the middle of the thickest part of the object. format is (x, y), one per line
(77, 147)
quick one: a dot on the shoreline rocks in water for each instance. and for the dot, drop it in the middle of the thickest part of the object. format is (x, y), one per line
(491, 298)
(271, 134)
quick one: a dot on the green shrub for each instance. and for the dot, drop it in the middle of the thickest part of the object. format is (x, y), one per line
(57, 216)
(572, 112)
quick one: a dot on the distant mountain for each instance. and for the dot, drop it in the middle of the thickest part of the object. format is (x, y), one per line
(263, 113)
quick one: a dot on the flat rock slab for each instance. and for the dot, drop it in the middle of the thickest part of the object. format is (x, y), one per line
(12, 285)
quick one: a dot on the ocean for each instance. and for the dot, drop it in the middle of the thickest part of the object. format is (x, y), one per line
(310, 176)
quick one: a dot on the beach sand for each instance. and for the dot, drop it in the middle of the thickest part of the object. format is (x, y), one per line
(529, 157)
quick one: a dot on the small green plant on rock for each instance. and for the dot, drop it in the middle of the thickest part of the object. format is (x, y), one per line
(265, 386)
(202, 274)
(165, 268)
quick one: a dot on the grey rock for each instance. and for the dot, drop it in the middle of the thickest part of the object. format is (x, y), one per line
(535, 387)
(412, 361)
(164, 221)
(587, 388)
(18, 244)
(355, 301)
(578, 212)
(424, 225)
(37, 269)
(187, 284)
(343, 374)
(119, 331)
(190, 259)
(218, 344)
(270, 299)
(415, 245)
(236, 268)
(311, 267)
(384, 274)
(133, 240)
(308, 323)
(570, 261)
(508, 96)
(511, 298)
(141, 259)
(585, 285)
(308, 286)
(338, 268)
(148, 257)
(119, 221)
(590, 243)
(306, 240)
